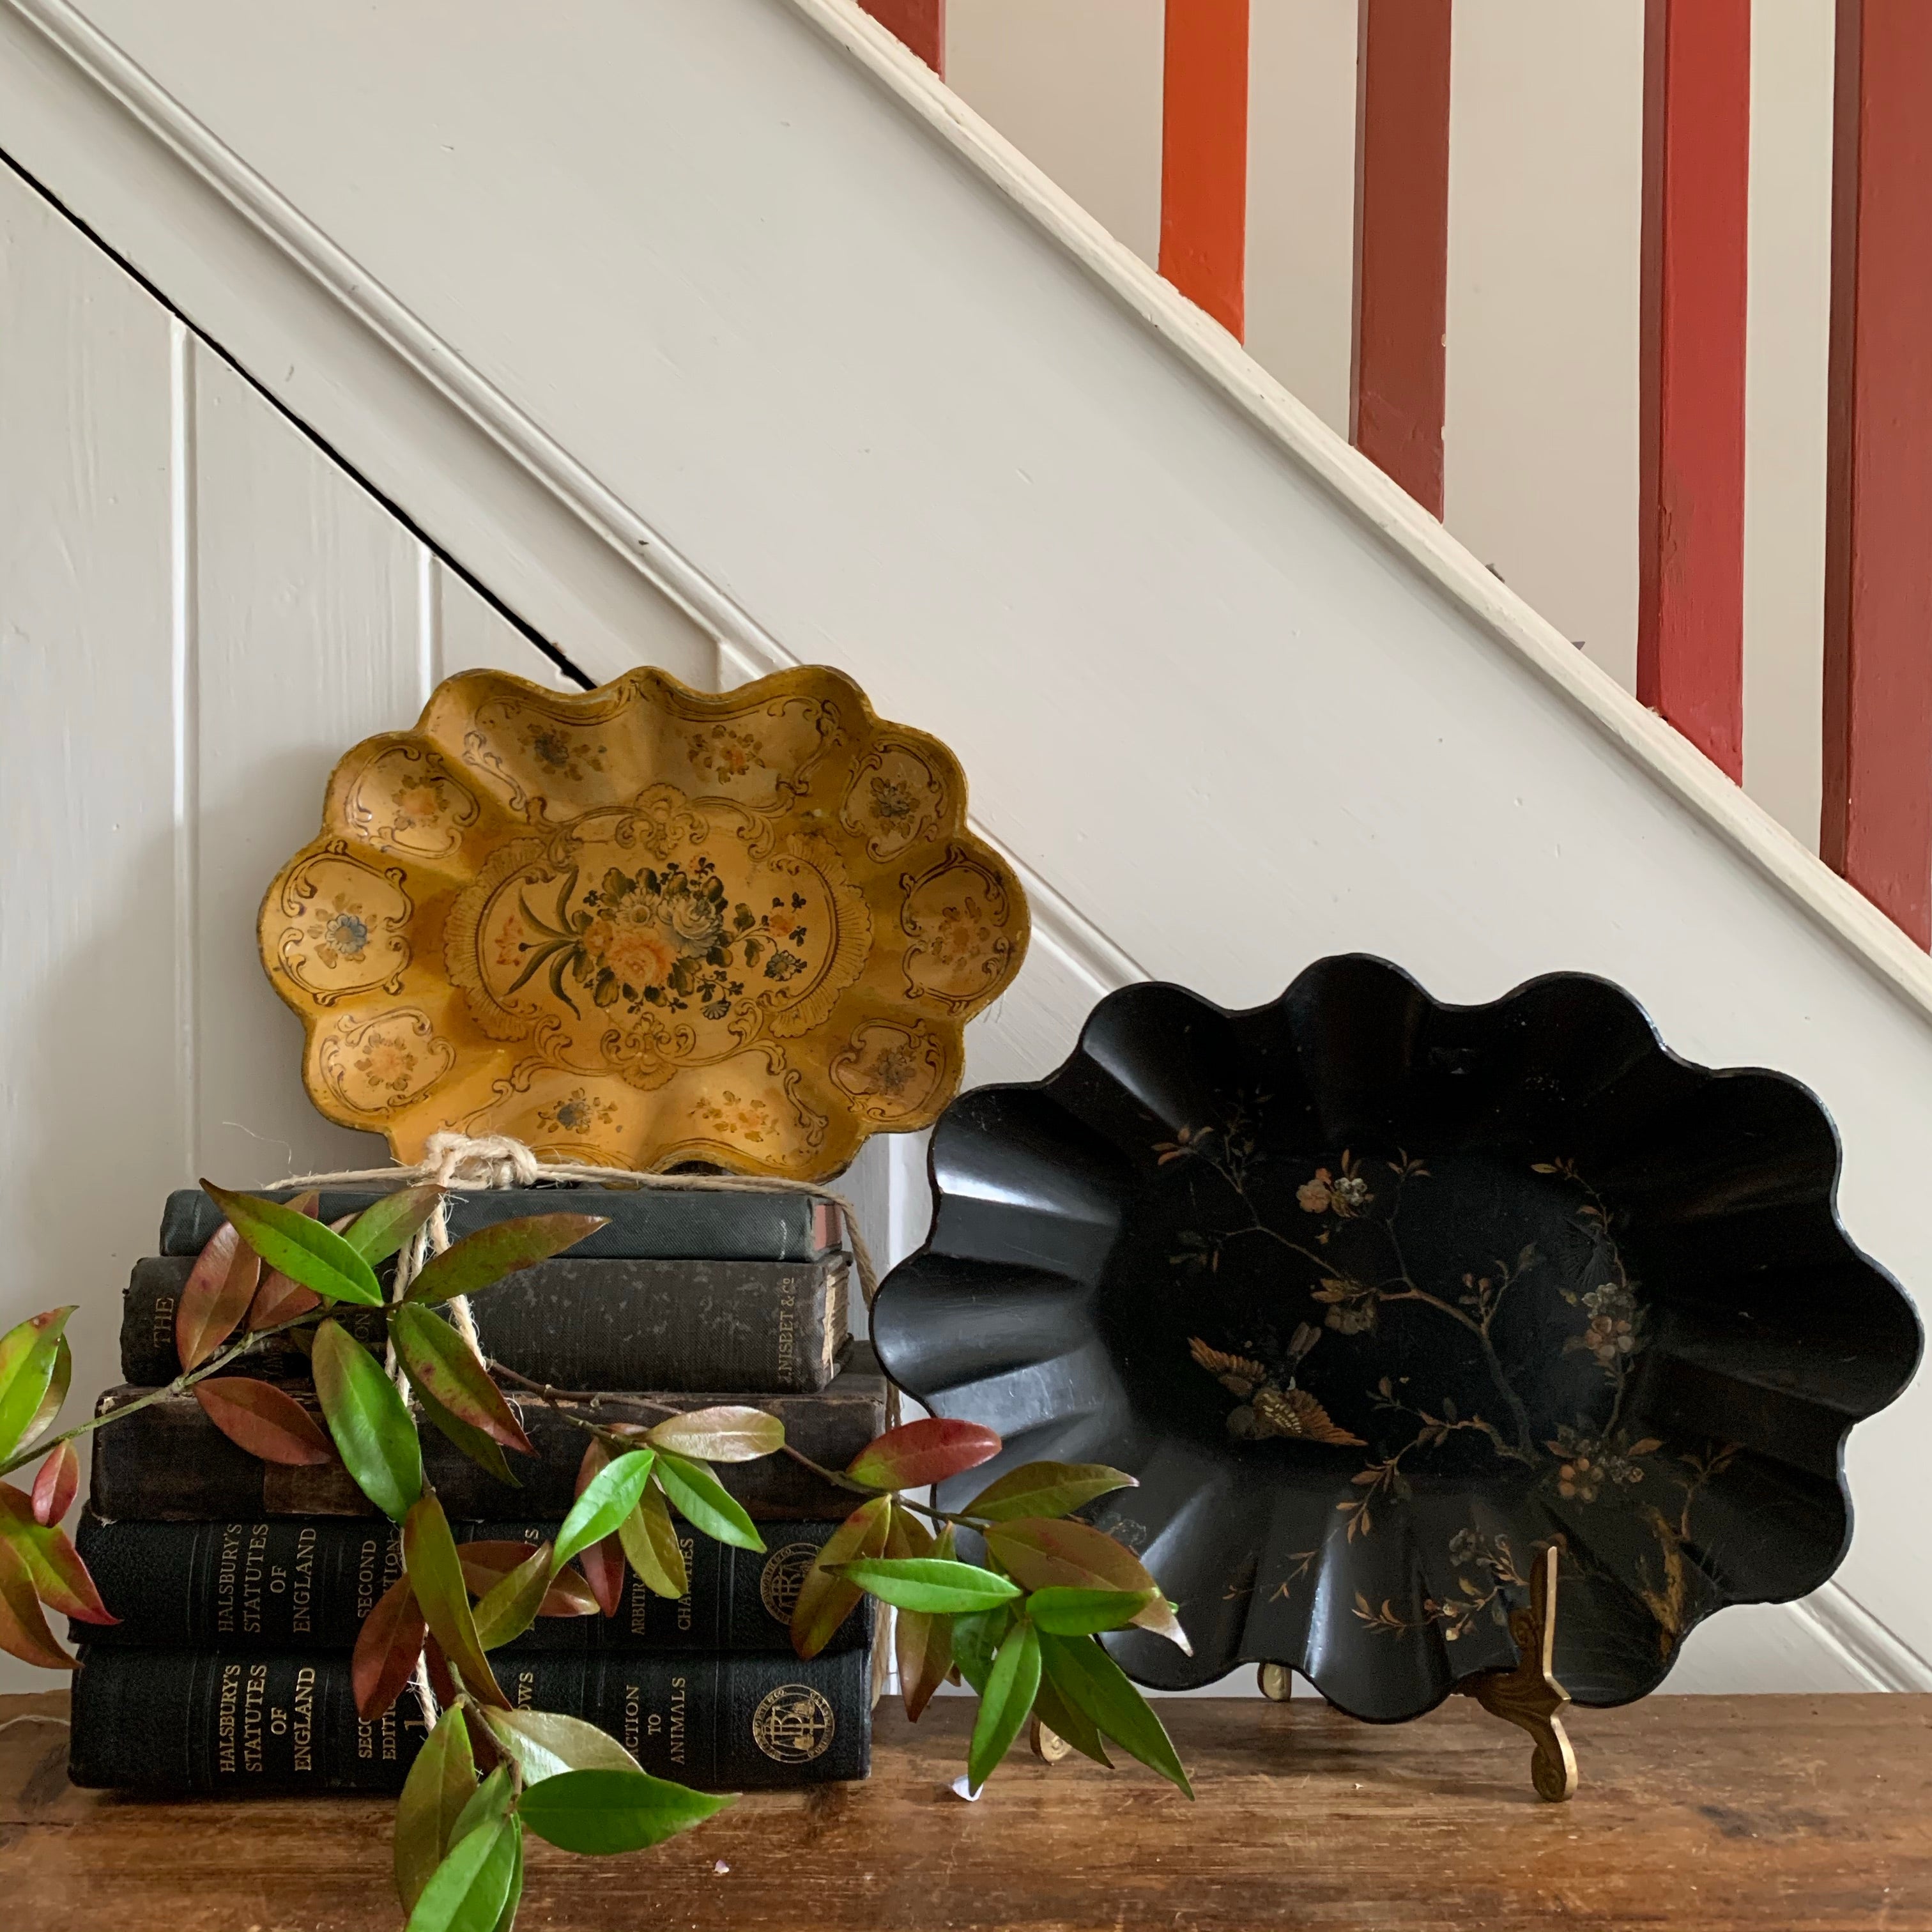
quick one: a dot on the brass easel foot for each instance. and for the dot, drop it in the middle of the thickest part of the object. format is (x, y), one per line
(1275, 1682)
(1529, 1696)
(1049, 1746)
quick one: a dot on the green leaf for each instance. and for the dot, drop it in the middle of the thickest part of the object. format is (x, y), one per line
(1042, 1555)
(57, 1385)
(918, 1454)
(488, 1804)
(1094, 1684)
(594, 1811)
(28, 1355)
(1064, 1721)
(383, 1226)
(305, 1251)
(607, 1499)
(436, 1575)
(1046, 1489)
(721, 1434)
(439, 1784)
(486, 1564)
(437, 1358)
(466, 1891)
(702, 1501)
(366, 1414)
(1063, 1612)
(481, 1260)
(825, 1599)
(934, 1585)
(975, 1639)
(649, 1539)
(507, 1918)
(546, 1743)
(510, 1607)
(485, 1453)
(23, 1628)
(1003, 1706)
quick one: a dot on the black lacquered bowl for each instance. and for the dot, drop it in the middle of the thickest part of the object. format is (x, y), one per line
(1376, 1295)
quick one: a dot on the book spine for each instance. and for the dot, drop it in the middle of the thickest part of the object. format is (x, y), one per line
(654, 1224)
(769, 1327)
(214, 1722)
(167, 1462)
(289, 1585)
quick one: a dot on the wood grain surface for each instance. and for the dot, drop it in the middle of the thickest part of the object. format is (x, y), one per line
(1801, 1814)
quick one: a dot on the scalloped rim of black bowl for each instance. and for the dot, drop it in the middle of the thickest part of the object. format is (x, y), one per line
(1061, 1285)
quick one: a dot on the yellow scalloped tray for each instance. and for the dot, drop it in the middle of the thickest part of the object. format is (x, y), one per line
(643, 926)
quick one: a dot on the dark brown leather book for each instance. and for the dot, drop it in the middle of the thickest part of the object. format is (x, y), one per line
(169, 1462)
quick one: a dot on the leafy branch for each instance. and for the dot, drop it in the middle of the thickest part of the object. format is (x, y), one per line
(1022, 1626)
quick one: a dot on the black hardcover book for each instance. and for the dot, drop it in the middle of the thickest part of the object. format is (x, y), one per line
(184, 1721)
(286, 1584)
(770, 1327)
(168, 1463)
(646, 1224)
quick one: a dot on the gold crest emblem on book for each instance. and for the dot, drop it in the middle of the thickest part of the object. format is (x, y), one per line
(792, 1724)
(783, 1576)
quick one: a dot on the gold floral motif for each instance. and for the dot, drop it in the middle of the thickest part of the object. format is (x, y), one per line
(957, 917)
(404, 799)
(897, 796)
(384, 1064)
(339, 925)
(890, 1069)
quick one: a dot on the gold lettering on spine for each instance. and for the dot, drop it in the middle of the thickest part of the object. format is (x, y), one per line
(304, 1737)
(251, 1579)
(227, 1567)
(301, 1594)
(254, 1697)
(226, 1701)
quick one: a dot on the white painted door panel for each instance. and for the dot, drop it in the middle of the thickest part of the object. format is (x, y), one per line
(199, 612)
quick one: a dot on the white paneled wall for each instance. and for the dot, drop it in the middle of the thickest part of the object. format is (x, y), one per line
(199, 611)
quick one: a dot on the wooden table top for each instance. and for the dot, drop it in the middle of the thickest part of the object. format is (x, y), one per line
(1795, 1813)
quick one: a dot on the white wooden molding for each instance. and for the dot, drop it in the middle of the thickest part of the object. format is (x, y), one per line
(1219, 360)
(1870, 1648)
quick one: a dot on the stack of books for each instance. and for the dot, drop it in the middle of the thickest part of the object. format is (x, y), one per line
(240, 1585)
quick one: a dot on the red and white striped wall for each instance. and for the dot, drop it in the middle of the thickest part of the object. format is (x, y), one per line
(1635, 294)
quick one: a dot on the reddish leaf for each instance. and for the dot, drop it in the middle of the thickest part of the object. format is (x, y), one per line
(1042, 1554)
(923, 1644)
(602, 1563)
(60, 1577)
(55, 1486)
(917, 1454)
(278, 1299)
(825, 1601)
(266, 1421)
(440, 1361)
(220, 1285)
(386, 1649)
(486, 1564)
(23, 1628)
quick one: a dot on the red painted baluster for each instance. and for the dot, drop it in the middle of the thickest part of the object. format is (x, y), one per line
(1402, 241)
(921, 24)
(1204, 154)
(1877, 820)
(1691, 530)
